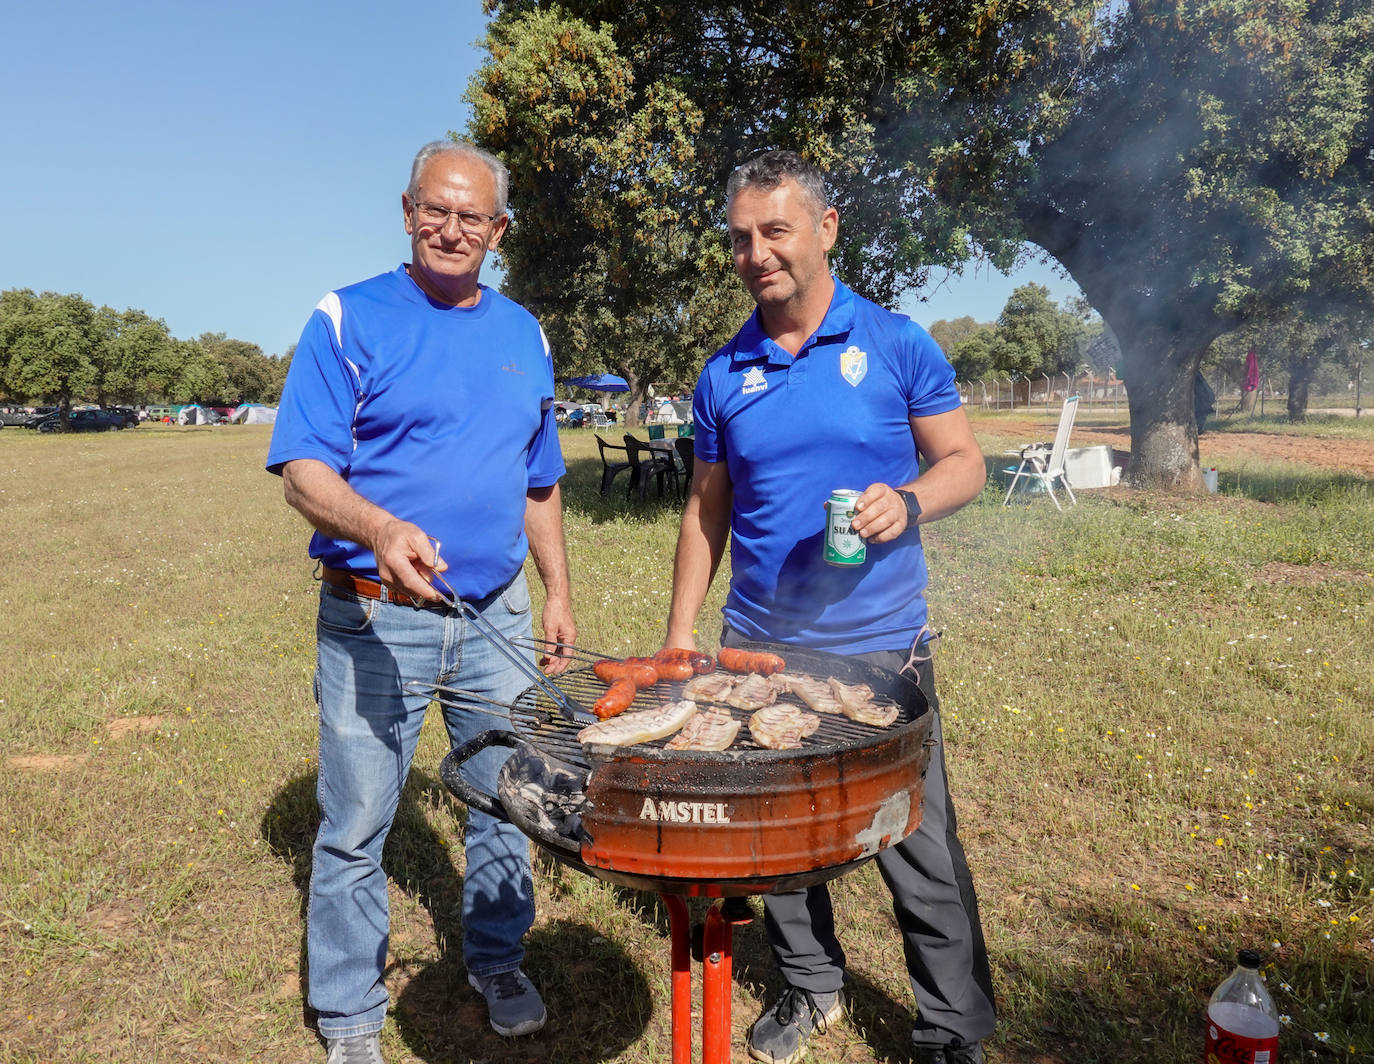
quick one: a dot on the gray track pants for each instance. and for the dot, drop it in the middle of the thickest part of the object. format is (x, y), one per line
(934, 901)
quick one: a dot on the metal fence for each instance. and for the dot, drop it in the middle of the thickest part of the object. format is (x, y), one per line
(1009, 391)
(1106, 392)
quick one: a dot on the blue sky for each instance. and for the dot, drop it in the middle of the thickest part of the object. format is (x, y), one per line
(223, 166)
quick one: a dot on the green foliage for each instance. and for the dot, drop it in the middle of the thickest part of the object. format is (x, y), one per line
(59, 348)
(1155, 712)
(139, 360)
(1192, 164)
(51, 344)
(1031, 337)
(948, 334)
(609, 248)
(1190, 184)
(249, 375)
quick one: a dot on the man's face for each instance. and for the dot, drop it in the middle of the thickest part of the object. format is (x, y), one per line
(446, 256)
(779, 243)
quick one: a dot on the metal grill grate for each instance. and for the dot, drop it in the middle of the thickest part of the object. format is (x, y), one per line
(539, 720)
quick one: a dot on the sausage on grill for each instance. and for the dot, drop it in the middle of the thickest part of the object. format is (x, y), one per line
(617, 699)
(701, 663)
(672, 670)
(758, 661)
(641, 674)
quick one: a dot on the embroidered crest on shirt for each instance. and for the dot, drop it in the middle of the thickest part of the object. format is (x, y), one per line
(853, 364)
(754, 381)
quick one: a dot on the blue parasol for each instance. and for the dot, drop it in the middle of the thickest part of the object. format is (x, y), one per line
(599, 382)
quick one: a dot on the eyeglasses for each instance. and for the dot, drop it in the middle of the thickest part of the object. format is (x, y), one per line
(437, 216)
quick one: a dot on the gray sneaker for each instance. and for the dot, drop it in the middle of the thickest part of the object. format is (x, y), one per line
(513, 1004)
(359, 1049)
(973, 1054)
(780, 1035)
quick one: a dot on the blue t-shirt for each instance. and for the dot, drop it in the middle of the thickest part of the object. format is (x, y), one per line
(440, 415)
(790, 430)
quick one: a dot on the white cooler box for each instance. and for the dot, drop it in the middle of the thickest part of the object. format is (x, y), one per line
(1088, 467)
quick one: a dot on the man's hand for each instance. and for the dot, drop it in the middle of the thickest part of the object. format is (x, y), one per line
(881, 514)
(559, 627)
(407, 559)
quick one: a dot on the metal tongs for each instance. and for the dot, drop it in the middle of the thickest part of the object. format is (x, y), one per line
(571, 709)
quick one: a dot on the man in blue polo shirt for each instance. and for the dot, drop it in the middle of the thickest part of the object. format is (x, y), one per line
(822, 389)
(416, 434)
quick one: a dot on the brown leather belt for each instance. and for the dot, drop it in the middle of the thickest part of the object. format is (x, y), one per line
(364, 588)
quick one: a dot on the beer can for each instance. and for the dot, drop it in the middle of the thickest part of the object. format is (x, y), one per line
(843, 546)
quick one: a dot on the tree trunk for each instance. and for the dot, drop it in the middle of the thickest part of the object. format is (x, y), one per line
(1301, 369)
(1159, 394)
(1247, 401)
(1162, 339)
(1162, 331)
(635, 397)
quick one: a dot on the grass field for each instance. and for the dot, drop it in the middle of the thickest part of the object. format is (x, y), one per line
(1160, 729)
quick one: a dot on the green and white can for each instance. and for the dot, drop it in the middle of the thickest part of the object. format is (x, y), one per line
(843, 546)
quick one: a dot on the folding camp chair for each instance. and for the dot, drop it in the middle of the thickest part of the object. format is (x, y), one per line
(1044, 464)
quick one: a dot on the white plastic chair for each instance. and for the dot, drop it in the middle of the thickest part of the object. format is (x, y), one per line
(1043, 465)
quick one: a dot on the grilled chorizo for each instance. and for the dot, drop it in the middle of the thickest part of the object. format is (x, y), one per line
(701, 663)
(639, 673)
(673, 670)
(666, 670)
(758, 661)
(617, 699)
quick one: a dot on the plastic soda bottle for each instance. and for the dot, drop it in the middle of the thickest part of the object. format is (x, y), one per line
(1242, 1023)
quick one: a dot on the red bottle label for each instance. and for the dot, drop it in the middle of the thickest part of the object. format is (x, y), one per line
(1223, 1047)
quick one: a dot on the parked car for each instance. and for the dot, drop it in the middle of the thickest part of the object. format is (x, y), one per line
(88, 420)
(14, 415)
(128, 413)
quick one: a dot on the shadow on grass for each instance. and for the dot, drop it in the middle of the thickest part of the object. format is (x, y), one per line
(1290, 485)
(439, 1016)
(582, 496)
(599, 1004)
(1135, 1011)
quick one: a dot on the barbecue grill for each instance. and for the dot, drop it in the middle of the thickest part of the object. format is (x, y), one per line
(748, 820)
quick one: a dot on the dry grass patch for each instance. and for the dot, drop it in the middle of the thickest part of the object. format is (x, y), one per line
(1158, 728)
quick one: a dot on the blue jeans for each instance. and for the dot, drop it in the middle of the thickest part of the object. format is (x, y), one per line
(369, 727)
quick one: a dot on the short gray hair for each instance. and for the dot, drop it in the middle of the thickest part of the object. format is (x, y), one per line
(499, 173)
(771, 169)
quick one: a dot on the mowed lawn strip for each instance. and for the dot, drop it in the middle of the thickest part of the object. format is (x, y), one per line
(1159, 729)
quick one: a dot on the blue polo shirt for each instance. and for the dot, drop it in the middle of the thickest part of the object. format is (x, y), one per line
(790, 430)
(440, 415)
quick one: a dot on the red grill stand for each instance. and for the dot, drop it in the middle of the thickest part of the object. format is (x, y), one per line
(717, 939)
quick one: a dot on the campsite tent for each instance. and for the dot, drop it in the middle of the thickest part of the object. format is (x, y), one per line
(673, 412)
(255, 414)
(192, 414)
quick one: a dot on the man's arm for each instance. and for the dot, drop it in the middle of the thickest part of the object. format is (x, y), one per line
(544, 529)
(404, 553)
(700, 545)
(955, 476)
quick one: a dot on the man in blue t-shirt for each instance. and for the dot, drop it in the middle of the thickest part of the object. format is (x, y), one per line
(822, 389)
(416, 434)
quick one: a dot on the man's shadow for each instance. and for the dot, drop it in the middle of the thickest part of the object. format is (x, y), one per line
(439, 1016)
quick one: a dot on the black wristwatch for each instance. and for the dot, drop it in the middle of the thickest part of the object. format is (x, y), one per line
(913, 508)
